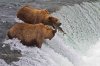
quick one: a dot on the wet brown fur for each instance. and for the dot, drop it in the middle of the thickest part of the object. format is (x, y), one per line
(34, 16)
(31, 35)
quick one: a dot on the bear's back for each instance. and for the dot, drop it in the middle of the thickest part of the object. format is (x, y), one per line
(24, 30)
(32, 15)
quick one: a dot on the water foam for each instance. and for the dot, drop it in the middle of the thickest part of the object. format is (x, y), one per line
(33, 56)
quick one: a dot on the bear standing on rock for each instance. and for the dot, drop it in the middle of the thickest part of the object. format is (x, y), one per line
(31, 35)
(35, 16)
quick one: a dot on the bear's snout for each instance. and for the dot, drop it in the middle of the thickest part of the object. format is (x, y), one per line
(59, 24)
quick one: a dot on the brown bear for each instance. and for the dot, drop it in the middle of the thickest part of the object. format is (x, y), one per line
(34, 16)
(31, 35)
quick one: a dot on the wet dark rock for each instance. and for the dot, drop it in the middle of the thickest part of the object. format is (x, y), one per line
(8, 55)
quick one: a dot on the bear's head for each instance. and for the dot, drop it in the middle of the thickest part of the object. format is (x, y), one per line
(54, 21)
(49, 32)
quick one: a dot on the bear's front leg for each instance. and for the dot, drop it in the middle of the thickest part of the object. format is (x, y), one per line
(39, 43)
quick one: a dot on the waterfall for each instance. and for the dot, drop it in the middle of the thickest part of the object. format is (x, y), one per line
(81, 23)
(80, 46)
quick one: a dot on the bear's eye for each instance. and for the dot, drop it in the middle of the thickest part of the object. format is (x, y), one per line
(48, 29)
(56, 20)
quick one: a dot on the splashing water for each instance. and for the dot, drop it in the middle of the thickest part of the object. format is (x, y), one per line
(38, 57)
(81, 23)
(79, 47)
(93, 55)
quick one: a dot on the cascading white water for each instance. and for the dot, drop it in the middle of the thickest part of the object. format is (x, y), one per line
(78, 47)
(81, 23)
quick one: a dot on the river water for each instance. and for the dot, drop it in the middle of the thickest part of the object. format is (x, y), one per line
(78, 47)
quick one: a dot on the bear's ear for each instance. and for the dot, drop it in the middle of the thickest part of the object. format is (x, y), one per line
(46, 11)
(50, 17)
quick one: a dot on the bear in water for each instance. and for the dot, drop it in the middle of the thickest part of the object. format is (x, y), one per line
(35, 16)
(31, 35)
